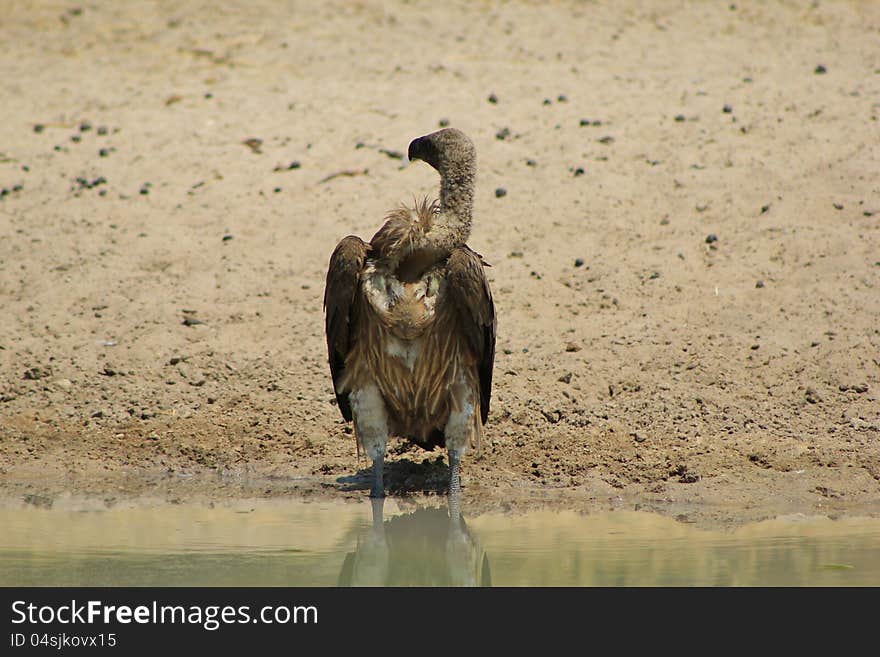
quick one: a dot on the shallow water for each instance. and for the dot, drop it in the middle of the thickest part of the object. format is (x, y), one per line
(287, 543)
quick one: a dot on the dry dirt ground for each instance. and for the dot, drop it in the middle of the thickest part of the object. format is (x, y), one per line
(686, 262)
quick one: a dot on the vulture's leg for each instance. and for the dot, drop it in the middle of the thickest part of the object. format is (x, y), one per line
(458, 431)
(371, 426)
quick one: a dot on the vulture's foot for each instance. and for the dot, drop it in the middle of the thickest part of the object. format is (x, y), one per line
(454, 486)
(378, 489)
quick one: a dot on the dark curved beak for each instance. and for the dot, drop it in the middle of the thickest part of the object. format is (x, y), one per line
(416, 148)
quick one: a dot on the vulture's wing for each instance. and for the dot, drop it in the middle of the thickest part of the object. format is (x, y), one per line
(343, 280)
(469, 290)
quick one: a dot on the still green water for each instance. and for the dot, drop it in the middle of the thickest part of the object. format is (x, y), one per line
(271, 543)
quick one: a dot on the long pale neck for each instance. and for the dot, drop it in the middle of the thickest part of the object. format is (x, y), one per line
(452, 226)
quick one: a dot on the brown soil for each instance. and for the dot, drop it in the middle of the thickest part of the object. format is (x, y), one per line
(686, 263)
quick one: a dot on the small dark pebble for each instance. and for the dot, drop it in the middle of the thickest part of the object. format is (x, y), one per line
(493, 99)
(502, 134)
(547, 101)
(39, 127)
(578, 262)
(579, 171)
(191, 321)
(572, 347)
(443, 123)
(226, 238)
(562, 98)
(639, 438)
(838, 206)
(103, 152)
(679, 118)
(585, 122)
(145, 190)
(531, 163)
(755, 347)
(565, 378)
(102, 130)
(98, 414)
(277, 190)
(727, 109)
(394, 155)
(500, 191)
(76, 139)
(607, 139)
(17, 188)
(765, 208)
(85, 126)
(820, 70)
(711, 237)
(759, 284)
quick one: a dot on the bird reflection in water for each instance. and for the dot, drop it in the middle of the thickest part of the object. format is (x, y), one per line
(428, 547)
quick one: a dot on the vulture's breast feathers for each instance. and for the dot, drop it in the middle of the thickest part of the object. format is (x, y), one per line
(404, 279)
(407, 308)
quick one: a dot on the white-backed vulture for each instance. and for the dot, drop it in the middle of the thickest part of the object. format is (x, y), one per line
(410, 320)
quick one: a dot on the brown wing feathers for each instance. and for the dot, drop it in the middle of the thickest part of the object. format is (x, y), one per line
(469, 290)
(343, 278)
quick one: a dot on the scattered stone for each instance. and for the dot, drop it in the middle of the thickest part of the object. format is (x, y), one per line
(189, 320)
(565, 378)
(579, 171)
(37, 373)
(759, 284)
(254, 144)
(98, 413)
(765, 208)
(531, 163)
(290, 167)
(727, 109)
(607, 139)
(820, 70)
(39, 127)
(85, 126)
(108, 370)
(500, 191)
(102, 130)
(394, 155)
(679, 118)
(755, 347)
(578, 262)
(711, 238)
(493, 99)
(562, 98)
(547, 101)
(226, 238)
(443, 123)
(812, 396)
(572, 347)
(502, 134)
(639, 438)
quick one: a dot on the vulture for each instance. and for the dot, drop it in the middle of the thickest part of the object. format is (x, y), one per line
(410, 320)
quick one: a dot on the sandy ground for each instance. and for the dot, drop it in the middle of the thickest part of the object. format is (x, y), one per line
(686, 263)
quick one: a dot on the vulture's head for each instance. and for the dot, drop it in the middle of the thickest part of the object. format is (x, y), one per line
(449, 151)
